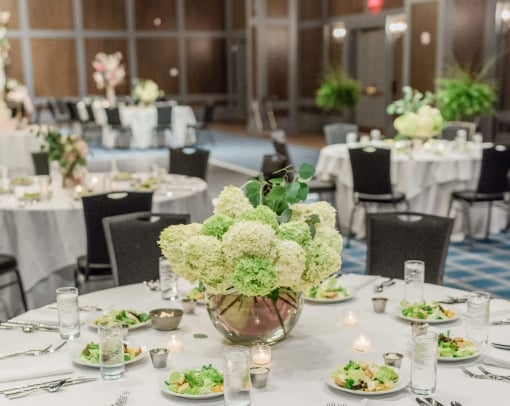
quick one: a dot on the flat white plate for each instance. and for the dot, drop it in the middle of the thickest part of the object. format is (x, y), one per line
(75, 357)
(402, 383)
(452, 359)
(334, 300)
(165, 389)
(399, 314)
(91, 323)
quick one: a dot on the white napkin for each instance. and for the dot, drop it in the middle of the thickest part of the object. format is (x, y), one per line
(499, 359)
(377, 402)
(28, 367)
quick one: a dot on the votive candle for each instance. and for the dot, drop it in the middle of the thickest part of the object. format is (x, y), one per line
(362, 343)
(350, 318)
(261, 354)
(175, 343)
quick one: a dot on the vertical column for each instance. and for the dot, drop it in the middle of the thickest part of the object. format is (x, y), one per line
(80, 48)
(293, 63)
(131, 31)
(26, 48)
(183, 73)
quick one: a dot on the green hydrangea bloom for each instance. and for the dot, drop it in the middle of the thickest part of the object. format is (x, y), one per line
(262, 214)
(217, 225)
(297, 231)
(254, 276)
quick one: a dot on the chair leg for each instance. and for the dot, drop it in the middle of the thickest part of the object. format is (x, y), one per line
(349, 230)
(450, 204)
(467, 219)
(488, 228)
(21, 289)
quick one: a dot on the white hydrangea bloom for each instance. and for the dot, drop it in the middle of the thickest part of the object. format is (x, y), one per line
(329, 236)
(324, 210)
(172, 240)
(290, 263)
(232, 202)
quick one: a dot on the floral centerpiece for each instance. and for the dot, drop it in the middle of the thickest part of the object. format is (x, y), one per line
(417, 118)
(257, 253)
(108, 73)
(70, 151)
(146, 90)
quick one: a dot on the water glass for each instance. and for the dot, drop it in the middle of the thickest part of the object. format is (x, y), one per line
(236, 373)
(68, 313)
(111, 351)
(424, 364)
(168, 280)
(414, 277)
(477, 317)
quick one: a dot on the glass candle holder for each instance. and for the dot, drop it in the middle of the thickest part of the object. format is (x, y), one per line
(261, 354)
(362, 343)
(175, 343)
(350, 317)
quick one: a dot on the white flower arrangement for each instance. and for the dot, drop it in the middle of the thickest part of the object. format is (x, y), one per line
(109, 72)
(425, 123)
(146, 90)
(254, 251)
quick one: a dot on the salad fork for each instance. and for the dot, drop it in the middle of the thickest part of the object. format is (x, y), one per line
(482, 376)
(122, 399)
(488, 373)
(380, 287)
(27, 352)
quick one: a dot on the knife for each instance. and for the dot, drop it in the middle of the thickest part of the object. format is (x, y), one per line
(501, 322)
(422, 402)
(42, 385)
(501, 346)
(433, 402)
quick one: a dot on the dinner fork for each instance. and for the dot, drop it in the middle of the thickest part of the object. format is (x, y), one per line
(122, 399)
(27, 352)
(488, 373)
(336, 404)
(380, 287)
(482, 376)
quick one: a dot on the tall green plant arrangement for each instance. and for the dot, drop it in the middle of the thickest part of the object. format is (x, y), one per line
(337, 90)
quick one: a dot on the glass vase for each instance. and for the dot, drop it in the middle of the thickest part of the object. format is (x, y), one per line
(110, 96)
(255, 319)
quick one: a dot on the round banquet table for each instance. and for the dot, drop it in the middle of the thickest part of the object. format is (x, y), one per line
(426, 177)
(300, 364)
(49, 235)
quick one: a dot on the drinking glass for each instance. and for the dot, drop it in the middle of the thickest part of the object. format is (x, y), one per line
(477, 317)
(414, 277)
(236, 373)
(168, 280)
(424, 364)
(68, 312)
(111, 350)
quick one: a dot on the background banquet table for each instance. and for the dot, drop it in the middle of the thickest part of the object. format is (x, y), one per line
(15, 148)
(299, 367)
(49, 235)
(142, 119)
(427, 178)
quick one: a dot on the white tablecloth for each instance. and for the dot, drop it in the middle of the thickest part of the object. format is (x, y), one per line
(299, 367)
(142, 119)
(15, 149)
(50, 235)
(426, 178)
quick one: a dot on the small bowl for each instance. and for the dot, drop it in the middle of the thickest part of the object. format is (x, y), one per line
(166, 319)
(393, 359)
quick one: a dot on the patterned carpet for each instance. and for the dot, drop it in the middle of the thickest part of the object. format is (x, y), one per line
(486, 267)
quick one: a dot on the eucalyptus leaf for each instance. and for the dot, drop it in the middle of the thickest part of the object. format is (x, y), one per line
(306, 171)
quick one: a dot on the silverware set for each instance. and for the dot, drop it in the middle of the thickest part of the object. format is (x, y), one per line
(380, 287)
(83, 308)
(501, 346)
(47, 386)
(501, 322)
(485, 374)
(433, 402)
(28, 326)
(453, 300)
(122, 399)
(34, 352)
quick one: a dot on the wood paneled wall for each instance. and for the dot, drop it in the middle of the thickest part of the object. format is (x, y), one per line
(50, 14)
(342, 7)
(156, 15)
(310, 10)
(206, 65)
(12, 7)
(103, 15)
(277, 8)
(277, 41)
(205, 15)
(310, 50)
(156, 56)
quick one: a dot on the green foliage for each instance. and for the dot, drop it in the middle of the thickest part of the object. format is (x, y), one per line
(337, 90)
(280, 193)
(411, 101)
(462, 95)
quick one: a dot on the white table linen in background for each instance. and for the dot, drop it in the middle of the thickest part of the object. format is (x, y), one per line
(427, 179)
(16, 147)
(49, 235)
(299, 367)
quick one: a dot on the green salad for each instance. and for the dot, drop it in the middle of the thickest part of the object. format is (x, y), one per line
(365, 376)
(328, 289)
(426, 311)
(126, 317)
(205, 381)
(197, 293)
(90, 354)
(455, 347)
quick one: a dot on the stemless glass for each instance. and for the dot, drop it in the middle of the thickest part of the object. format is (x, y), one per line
(236, 372)
(477, 317)
(111, 350)
(68, 312)
(424, 363)
(168, 281)
(414, 277)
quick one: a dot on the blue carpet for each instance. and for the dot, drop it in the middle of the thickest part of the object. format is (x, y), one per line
(486, 267)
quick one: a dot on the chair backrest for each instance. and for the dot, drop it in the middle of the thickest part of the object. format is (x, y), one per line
(132, 244)
(41, 164)
(189, 161)
(494, 170)
(113, 116)
(164, 115)
(337, 133)
(74, 115)
(90, 113)
(371, 170)
(97, 207)
(208, 113)
(450, 129)
(393, 238)
(272, 163)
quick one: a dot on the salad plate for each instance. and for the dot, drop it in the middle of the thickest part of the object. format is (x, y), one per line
(210, 378)
(401, 384)
(139, 320)
(451, 349)
(329, 291)
(197, 294)
(428, 312)
(165, 389)
(77, 358)
(338, 299)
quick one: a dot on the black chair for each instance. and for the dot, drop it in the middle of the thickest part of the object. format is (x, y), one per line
(372, 181)
(395, 237)
(95, 208)
(132, 241)
(272, 164)
(9, 265)
(202, 127)
(451, 128)
(59, 111)
(189, 161)
(492, 185)
(123, 133)
(74, 114)
(164, 124)
(337, 133)
(41, 163)
(92, 132)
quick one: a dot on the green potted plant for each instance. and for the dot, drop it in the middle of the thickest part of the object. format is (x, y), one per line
(463, 95)
(337, 90)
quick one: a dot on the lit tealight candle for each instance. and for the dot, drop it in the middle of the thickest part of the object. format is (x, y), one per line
(78, 189)
(261, 354)
(175, 343)
(362, 343)
(94, 182)
(350, 318)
